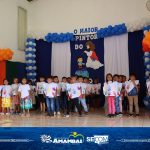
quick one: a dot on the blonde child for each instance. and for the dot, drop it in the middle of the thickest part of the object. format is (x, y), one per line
(24, 93)
(15, 96)
(6, 97)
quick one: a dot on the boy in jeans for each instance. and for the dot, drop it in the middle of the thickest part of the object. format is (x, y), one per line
(51, 93)
(74, 92)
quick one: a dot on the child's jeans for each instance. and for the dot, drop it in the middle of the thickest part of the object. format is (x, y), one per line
(117, 104)
(64, 102)
(57, 104)
(111, 104)
(83, 103)
(50, 105)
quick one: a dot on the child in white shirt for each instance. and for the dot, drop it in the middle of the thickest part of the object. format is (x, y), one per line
(88, 91)
(96, 86)
(64, 95)
(57, 98)
(118, 94)
(105, 92)
(26, 102)
(82, 99)
(15, 97)
(74, 91)
(6, 97)
(132, 91)
(51, 93)
(40, 88)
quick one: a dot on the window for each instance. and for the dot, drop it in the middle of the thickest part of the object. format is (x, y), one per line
(22, 28)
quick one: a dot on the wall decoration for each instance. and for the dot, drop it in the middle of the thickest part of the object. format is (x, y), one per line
(87, 58)
(30, 59)
(6, 54)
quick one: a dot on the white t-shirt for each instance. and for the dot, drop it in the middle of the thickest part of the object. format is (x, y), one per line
(15, 89)
(58, 89)
(88, 88)
(96, 88)
(51, 89)
(74, 90)
(148, 87)
(63, 86)
(6, 91)
(129, 85)
(24, 89)
(113, 89)
(40, 87)
(105, 88)
(83, 88)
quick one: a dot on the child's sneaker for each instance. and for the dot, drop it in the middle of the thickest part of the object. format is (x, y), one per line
(58, 113)
(7, 114)
(67, 116)
(2, 114)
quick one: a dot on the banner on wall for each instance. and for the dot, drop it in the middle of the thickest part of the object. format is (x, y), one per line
(87, 56)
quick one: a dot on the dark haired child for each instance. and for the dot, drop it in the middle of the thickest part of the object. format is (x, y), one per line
(105, 92)
(26, 102)
(40, 88)
(15, 97)
(6, 97)
(132, 91)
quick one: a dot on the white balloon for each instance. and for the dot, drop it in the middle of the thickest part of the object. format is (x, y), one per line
(146, 59)
(147, 73)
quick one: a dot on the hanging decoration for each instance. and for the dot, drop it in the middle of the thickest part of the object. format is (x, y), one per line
(112, 30)
(59, 38)
(146, 49)
(6, 54)
(31, 59)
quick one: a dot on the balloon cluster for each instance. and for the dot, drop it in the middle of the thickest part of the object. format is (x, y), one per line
(112, 30)
(146, 42)
(137, 25)
(147, 64)
(147, 102)
(59, 38)
(30, 59)
(6, 54)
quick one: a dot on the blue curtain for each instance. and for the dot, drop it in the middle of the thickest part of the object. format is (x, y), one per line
(136, 62)
(43, 58)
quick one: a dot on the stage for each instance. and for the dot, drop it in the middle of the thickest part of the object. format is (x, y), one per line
(93, 119)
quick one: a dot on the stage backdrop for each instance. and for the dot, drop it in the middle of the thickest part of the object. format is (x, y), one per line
(87, 58)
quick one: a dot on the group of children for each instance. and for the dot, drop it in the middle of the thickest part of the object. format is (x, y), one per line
(69, 95)
(120, 92)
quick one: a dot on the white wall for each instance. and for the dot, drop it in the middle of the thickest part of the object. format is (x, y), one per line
(9, 25)
(66, 15)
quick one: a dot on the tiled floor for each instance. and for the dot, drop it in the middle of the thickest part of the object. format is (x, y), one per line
(94, 119)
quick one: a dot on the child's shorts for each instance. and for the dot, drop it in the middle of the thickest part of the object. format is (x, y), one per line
(6, 102)
(26, 103)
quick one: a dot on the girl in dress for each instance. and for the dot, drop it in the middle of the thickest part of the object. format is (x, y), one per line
(15, 97)
(6, 97)
(105, 92)
(24, 92)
